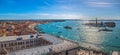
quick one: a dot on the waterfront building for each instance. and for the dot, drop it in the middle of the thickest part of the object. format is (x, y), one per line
(36, 44)
(19, 44)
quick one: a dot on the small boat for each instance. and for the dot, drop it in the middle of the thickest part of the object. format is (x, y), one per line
(108, 30)
(78, 28)
(67, 27)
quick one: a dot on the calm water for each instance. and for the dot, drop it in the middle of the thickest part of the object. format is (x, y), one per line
(85, 35)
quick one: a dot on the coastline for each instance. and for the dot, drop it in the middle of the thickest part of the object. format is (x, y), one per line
(71, 44)
(47, 37)
(20, 27)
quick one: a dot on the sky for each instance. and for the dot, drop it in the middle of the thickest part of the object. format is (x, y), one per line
(59, 9)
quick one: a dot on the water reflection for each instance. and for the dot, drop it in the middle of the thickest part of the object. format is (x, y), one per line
(91, 37)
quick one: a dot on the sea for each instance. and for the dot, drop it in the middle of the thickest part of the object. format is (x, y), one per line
(86, 36)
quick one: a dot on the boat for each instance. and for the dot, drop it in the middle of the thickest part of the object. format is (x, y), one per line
(67, 27)
(105, 29)
(78, 28)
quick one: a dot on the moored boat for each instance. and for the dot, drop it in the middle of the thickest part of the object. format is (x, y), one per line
(67, 27)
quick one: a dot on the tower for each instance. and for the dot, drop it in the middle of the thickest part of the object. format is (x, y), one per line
(96, 22)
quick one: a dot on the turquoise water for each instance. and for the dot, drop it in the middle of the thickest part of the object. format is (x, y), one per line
(85, 35)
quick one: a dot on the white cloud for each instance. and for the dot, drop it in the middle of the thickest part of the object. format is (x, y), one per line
(100, 3)
(66, 7)
(43, 16)
(62, 16)
(55, 16)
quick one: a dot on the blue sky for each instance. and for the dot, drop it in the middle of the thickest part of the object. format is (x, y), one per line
(59, 9)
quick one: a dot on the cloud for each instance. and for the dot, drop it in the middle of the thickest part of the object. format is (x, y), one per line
(101, 3)
(62, 16)
(66, 7)
(55, 16)
(42, 16)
